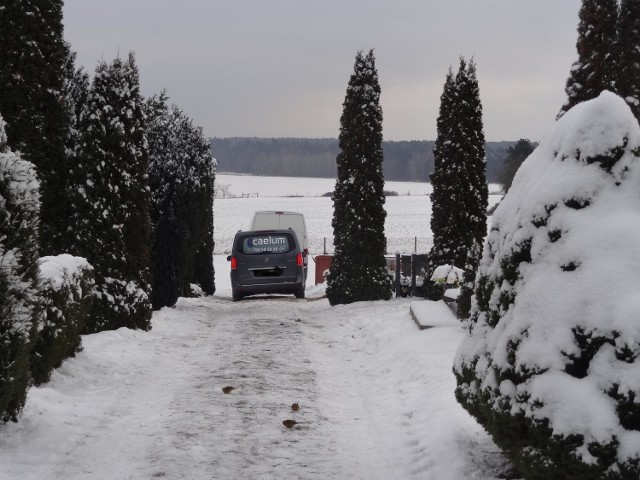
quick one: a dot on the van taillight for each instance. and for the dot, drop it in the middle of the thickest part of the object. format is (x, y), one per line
(299, 260)
(234, 263)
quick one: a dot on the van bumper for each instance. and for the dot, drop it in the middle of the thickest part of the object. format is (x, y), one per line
(264, 288)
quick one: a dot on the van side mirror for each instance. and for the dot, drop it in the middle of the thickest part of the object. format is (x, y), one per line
(229, 258)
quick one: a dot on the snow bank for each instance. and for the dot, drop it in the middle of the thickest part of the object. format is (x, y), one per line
(555, 335)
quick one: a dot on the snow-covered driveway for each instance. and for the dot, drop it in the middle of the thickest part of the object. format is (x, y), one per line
(375, 396)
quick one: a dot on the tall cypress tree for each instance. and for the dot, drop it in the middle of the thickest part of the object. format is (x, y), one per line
(76, 93)
(443, 150)
(202, 270)
(476, 193)
(198, 175)
(460, 193)
(596, 67)
(358, 269)
(443, 181)
(162, 140)
(628, 80)
(32, 103)
(181, 175)
(111, 196)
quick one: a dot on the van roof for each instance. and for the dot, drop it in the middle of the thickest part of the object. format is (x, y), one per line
(271, 230)
(279, 212)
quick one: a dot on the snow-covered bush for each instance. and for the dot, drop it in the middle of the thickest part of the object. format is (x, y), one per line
(109, 198)
(19, 309)
(447, 274)
(66, 284)
(551, 367)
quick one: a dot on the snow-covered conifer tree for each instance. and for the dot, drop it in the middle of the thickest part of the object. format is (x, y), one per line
(550, 366)
(19, 299)
(596, 67)
(476, 192)
(358, 269)
(32, 103)
(111, 198)
(181, 175)
(459, 197)
(443, 184)
(76, 91)
(628, 66)
(202, 270)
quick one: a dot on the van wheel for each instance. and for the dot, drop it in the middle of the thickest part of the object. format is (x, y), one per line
(300, 293)
(236, 296)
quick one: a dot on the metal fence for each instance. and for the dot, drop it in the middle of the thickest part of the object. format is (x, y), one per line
(324, 245)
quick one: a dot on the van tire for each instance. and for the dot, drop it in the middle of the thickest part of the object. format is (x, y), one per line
(299, 293)
(236, 296)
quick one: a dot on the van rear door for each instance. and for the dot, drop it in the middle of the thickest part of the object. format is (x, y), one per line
(266, 258)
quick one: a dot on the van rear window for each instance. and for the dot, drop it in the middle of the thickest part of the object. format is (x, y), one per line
(267, 243)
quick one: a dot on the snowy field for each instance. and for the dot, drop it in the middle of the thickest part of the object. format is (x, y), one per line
(375, 395)
(407, 223)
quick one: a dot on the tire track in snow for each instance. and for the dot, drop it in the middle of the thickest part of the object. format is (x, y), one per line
(265, 357)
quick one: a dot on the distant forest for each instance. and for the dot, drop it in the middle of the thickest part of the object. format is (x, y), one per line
(316, 157)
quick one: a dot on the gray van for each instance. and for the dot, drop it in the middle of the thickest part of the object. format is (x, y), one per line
(266, 261)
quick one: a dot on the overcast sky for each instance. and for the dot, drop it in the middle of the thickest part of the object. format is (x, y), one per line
(280, 68)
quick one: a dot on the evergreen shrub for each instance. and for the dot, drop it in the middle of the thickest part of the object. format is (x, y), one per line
(181, 179)
(109, 192)
(33, 105)
(66, 284)
(550, 366)
(19, 302)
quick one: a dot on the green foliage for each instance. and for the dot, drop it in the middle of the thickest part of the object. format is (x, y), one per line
(447, 249)
(532, 447)
(516, 154)
(466, 289)
(66, 289)
(460, 193)
(358, 269)
(608, 53)
(33, 105)
(202, 270)
(76, 91)
(597, 67)
(181, 177)
(523, 371)
(628, 66)
(110, 195)
(19, 299)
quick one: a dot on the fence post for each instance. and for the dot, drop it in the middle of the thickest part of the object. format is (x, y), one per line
(415, 244)
(413, 275)
(397, 274)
